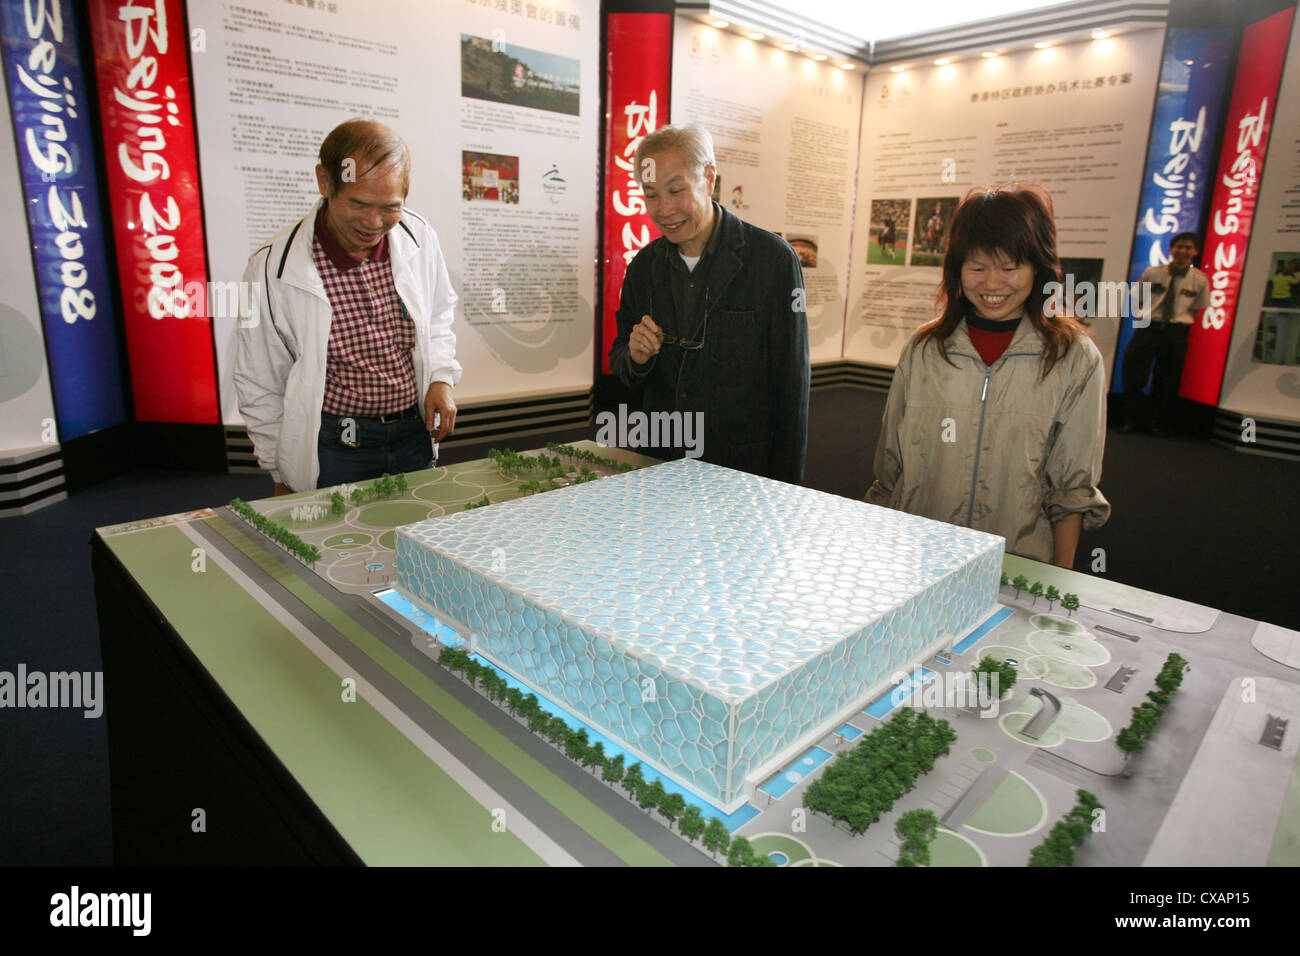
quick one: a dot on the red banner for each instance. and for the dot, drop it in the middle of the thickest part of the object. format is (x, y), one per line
(147, 122)
(1232, 211)
(638, 74)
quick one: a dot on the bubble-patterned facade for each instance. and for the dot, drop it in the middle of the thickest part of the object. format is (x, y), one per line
(712, 622)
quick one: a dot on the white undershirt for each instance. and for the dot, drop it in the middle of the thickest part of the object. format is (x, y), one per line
(691, 261)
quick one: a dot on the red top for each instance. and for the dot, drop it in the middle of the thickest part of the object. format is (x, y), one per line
(988, 343)
(368, 366)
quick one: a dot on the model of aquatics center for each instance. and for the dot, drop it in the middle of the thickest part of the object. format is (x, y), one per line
(713, 623)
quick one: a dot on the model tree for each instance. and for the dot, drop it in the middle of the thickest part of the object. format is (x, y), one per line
(633, 780)
(671, 806)
(1052, 596)
(613, 771)
(1006, 673)
(1020, 583)
(716, 839)
(692, 823)
(1006, 580)
(337, 505)
(917, 829)
(740, 853)
(1036, 590)
(1070, 602)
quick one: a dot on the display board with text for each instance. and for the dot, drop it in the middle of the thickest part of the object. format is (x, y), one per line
(784, 130)
(498, 104)
(1073, 118)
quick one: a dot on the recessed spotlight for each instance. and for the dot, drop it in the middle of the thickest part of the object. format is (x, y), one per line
(756, 35)
(942, 61)
(790, 46)
(721, 24)
(1100, 34)
(847, 66)
(1042, 44)
(989, 54)
(819, 57)
(897, 69)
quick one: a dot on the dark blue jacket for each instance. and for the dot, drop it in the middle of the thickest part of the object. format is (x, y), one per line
(751, 377)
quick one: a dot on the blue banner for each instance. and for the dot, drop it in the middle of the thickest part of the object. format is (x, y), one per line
(48, 98)
(1176, 183)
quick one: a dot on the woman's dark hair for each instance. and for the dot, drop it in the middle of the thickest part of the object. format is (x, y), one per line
(1017, 222)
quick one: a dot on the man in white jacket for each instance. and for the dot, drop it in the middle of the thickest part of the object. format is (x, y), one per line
(346, 360)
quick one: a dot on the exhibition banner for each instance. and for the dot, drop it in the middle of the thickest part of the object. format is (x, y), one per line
(498, 103)
(153, 180)
(785, 131)
(47, 92)
(1241, 163)
(637, 84)
(1262, 376)
(1193, 80)
(1072, 117)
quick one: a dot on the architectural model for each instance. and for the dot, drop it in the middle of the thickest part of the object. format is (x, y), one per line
(711, 622)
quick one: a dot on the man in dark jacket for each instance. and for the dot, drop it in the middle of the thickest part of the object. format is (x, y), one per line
(712, 319)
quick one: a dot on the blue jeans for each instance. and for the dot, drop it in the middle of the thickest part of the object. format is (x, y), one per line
(399, 446)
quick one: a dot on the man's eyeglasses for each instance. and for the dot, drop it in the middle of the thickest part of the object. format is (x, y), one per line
(689, 345)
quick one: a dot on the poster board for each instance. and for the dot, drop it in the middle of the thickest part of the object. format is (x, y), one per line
(1073, 118)
(498, 103)
(785, 136)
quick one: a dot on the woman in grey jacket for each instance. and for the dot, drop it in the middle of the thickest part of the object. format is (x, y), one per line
(996, 414)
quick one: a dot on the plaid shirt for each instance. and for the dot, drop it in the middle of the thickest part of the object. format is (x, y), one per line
(368, 366)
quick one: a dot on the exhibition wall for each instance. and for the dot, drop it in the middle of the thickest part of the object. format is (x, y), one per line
(1072, 117)
(785, 132)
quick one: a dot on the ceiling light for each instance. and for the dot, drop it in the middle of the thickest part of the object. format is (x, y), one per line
(721, 24)
(790, 46)
(846, 66)
(1042, 44)
(1100, 34)
(756, 35)
(989, 54)
(942, 61)
(819, 57)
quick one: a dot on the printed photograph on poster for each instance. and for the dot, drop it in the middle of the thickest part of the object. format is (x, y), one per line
(489, 177)
(1283, 291)
(805, 246)
(503, 73)
(933, 217)
(1277, 341)
(887, 243)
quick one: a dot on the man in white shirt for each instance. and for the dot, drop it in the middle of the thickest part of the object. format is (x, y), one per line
(1179, 292)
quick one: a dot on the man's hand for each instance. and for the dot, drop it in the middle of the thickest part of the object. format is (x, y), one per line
(282, 489)
(439, 400)
(645, 340)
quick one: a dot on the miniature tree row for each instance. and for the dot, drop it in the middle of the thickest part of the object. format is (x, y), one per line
(580, 454)
(385, 486)
(1132, 739)
(650, 796)
(1006, 673)
(1021, 583)
(280, 535)
(1057, 849)
(863, 784)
